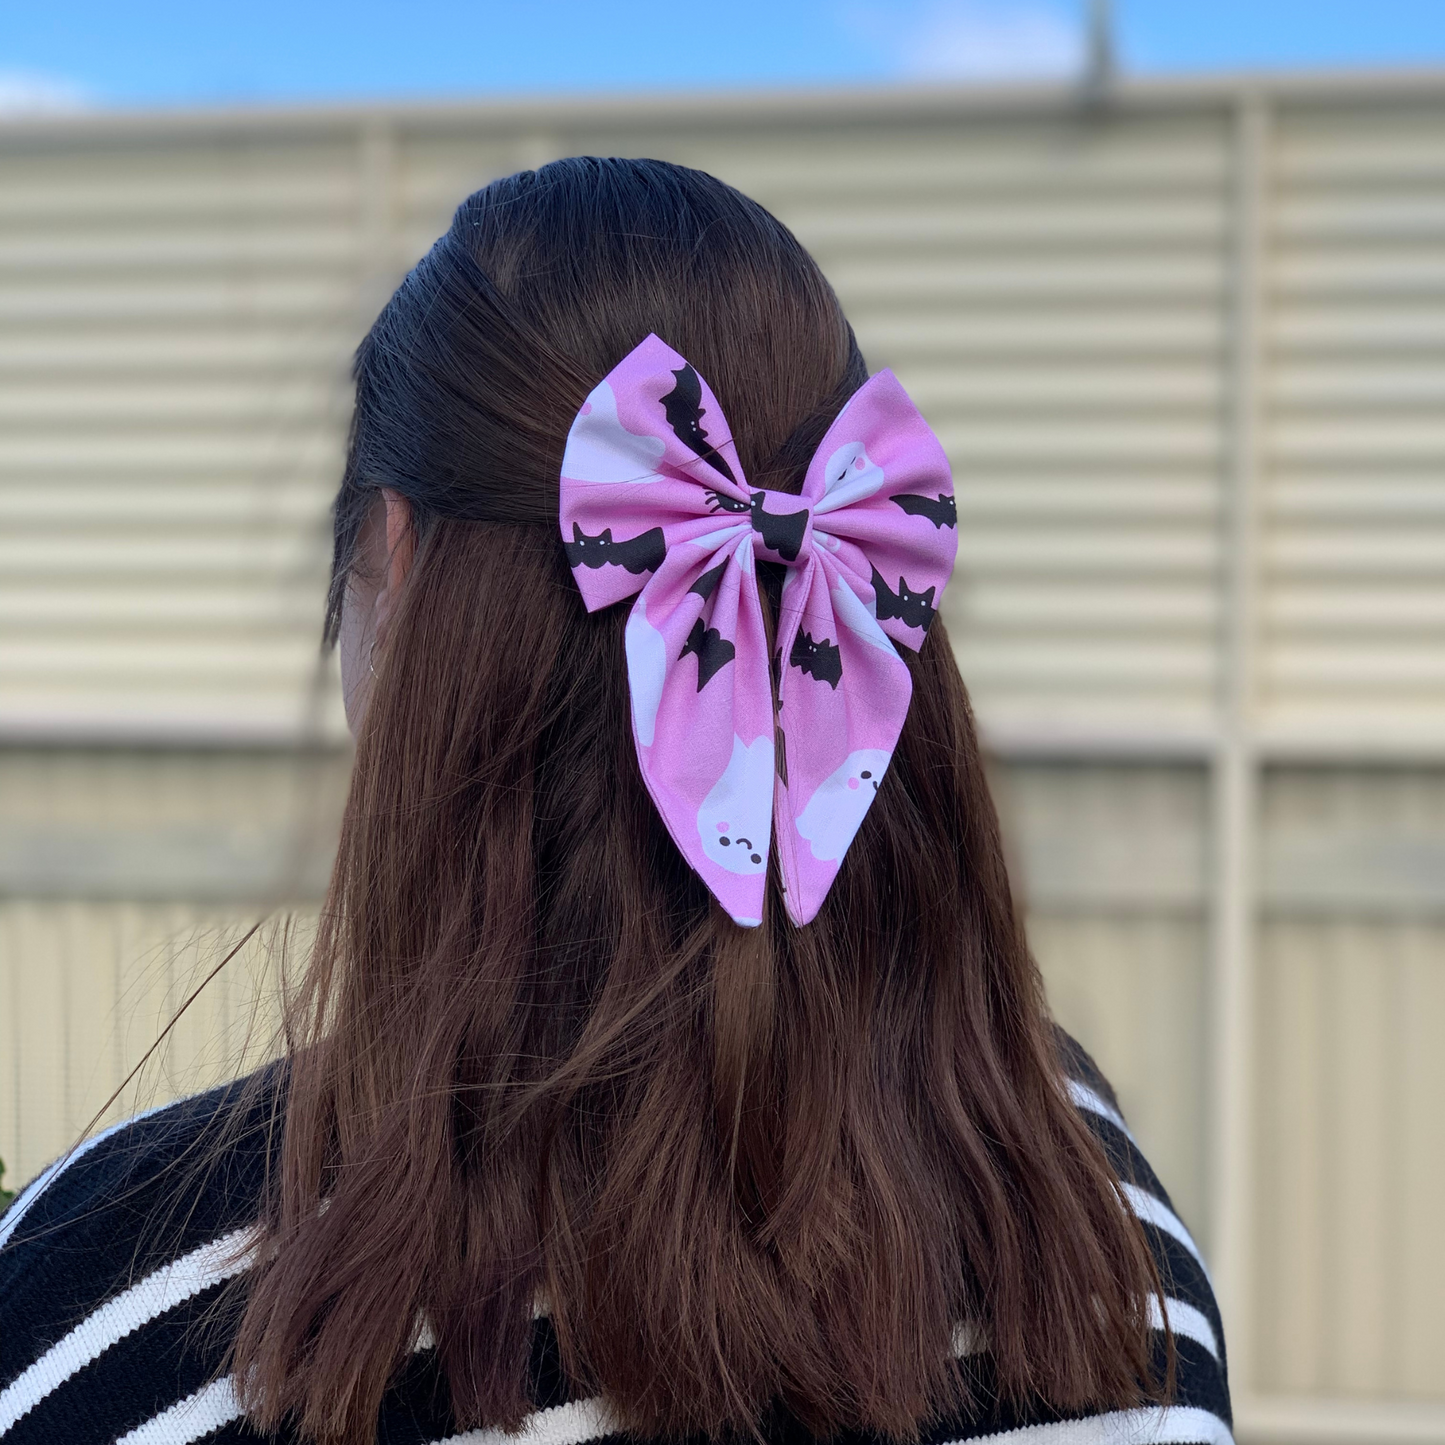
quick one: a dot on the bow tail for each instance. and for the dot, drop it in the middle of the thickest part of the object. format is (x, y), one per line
(843, 694)
(702, 717)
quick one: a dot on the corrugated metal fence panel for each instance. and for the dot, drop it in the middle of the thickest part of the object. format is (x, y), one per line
(86, 988)
(175, 320)
(219, 827)
(1351, 1158)
(124, 876)
(1350, 1136)
(1354, 546)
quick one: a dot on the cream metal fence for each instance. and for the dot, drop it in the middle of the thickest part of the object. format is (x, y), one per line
(1186, 347)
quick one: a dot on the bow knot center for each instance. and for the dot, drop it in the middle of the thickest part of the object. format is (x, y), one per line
(782, 526)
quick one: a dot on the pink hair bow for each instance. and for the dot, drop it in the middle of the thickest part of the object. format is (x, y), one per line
(654, 502)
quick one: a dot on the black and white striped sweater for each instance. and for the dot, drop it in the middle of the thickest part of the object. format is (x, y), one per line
(105, 1338)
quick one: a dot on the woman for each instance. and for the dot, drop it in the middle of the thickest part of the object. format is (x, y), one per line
(632, 1090)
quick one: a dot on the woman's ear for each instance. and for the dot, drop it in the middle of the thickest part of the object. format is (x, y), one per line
(400, 550)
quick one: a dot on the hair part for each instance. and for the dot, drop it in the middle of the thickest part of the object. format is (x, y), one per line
(533, 1059)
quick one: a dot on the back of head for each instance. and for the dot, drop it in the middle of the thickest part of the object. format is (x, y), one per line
(535, 1062)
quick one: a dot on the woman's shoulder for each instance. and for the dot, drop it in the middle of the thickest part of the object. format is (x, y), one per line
(1094, 1097)
(1188, 1302)
(144, 1216)
(110, 1183)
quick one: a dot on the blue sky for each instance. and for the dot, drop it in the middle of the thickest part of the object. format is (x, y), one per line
(59, 53)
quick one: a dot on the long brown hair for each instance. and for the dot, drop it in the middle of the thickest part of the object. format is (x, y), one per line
(743, 1169)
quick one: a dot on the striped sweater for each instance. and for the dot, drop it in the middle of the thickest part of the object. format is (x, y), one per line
(104, 1336)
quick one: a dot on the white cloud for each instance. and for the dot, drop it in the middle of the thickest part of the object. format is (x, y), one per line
(24, 92)
(973, 39)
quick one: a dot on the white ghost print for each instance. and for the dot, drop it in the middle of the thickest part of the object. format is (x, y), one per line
(736, 818)
(834, 812)
(851, 475)
(646, 664)
(601, 449)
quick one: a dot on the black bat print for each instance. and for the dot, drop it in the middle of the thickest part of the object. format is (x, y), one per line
(719, 502)
(942, 512)
(713, 650)
(914, 609)
(820, 660)
(706, 585)
(684, 411)
(782, 532)
(637, 554)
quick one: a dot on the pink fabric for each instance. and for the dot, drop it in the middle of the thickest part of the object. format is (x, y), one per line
(654, 502)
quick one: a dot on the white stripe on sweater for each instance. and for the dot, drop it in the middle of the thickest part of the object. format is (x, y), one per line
(1184, 1319)
(561, 1425)
(1154, 1211)
(1085, 1098)
(197, 1415)
(1175, 1425)
(583, 1420)
(116, 1318)
(1171, 1425)
(52, 1172)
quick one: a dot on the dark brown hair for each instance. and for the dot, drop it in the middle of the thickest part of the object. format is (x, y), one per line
(744, 1169)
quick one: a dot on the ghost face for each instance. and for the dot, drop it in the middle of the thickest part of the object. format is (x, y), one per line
(736, 818)
(850, 475)
(601, 449)
(833, 813)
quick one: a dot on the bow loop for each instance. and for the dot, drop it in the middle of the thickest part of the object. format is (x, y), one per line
(654, 502)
